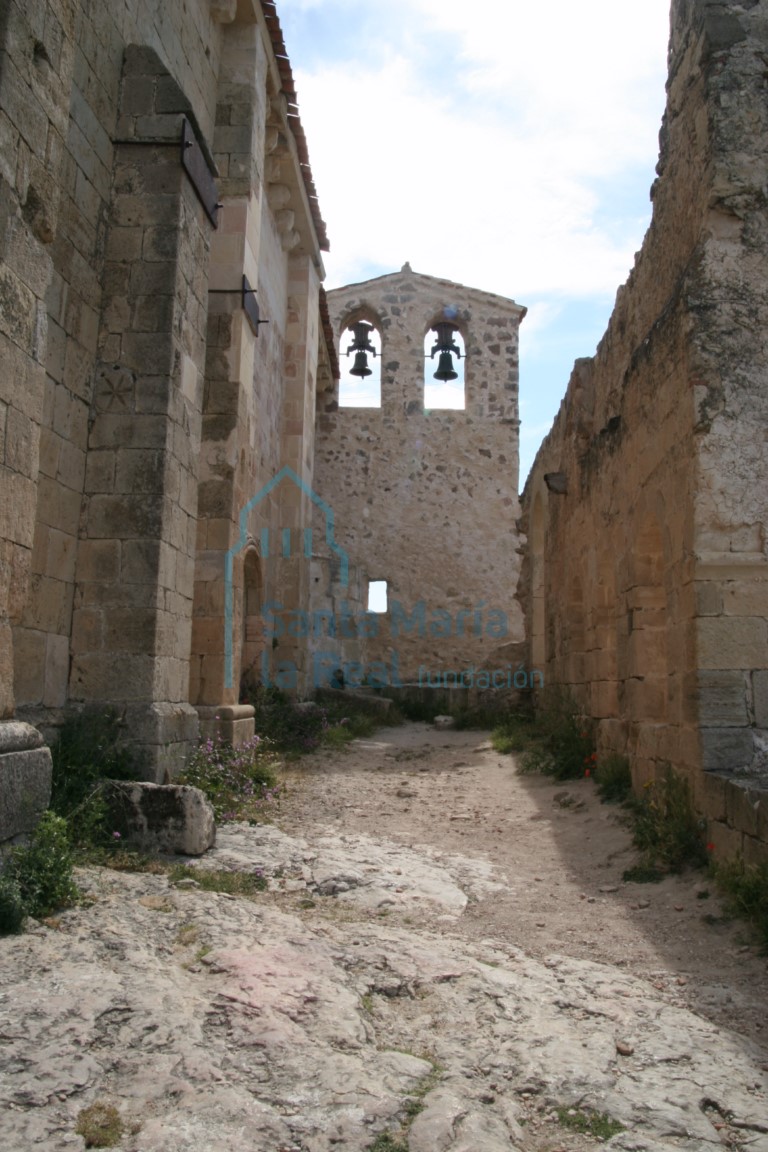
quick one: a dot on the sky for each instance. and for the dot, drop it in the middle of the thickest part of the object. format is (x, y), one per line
(500, 144)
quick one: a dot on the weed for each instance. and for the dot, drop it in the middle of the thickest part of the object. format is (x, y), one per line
(665, 827)
(597, 1124)
(703, 895)
(613, 777)
(558, 742)
(514, 734)
(643, 874)
(37, 879)
(234, 883)
(13, 913)
(203, 952)
(239, 780)
(87, 752)
(100, 1125)
(187, 935)
(385, 1142)
(746, 890)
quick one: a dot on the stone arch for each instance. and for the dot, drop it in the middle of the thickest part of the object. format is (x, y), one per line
(356, 392)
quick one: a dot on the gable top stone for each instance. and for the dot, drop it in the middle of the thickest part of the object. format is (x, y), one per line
(406, 277)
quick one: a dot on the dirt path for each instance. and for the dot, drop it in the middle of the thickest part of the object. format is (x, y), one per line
(561, 852)
(440, 957)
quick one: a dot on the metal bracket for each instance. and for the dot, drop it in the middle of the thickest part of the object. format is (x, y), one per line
(196, 167)
(248, 302)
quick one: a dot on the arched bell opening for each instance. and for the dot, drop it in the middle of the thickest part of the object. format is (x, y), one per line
(444, 357)
(360, 362)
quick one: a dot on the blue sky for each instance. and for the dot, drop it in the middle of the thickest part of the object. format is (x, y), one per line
(504, 145)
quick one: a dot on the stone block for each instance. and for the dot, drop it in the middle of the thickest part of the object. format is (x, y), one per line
(56, 671)
(710, 795)
(727, 843)
(726, 749)
(161, 817)
(28, 666)
(25, 779)
(743, 805)
(760, 698)
(723, 699)
(755, 851)
(746, 597)
(733, 642)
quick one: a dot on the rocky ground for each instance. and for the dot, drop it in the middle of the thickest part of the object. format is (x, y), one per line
(445, 960)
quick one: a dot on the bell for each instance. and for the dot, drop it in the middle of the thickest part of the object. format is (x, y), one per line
(360, 367)
(445, 370)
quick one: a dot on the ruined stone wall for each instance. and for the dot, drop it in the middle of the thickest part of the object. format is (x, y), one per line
(425, 500)
(646, 506)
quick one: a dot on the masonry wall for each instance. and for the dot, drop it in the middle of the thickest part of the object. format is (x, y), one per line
(646, 507)
(425, 500)
(140, 412)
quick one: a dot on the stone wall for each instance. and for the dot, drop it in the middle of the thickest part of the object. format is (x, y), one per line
(647, 575)
(423, 499)
(140, 411)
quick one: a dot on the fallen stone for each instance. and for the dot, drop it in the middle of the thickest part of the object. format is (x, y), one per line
(172, 818)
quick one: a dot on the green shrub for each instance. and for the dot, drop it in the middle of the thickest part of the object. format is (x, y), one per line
(41, 872)
(12, 910)
(239, 780)
(666, 829)
(613, 777)
(560, 741)
(88, 751)
(746, 890)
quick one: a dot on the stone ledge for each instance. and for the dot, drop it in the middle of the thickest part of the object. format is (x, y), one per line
(25, 779)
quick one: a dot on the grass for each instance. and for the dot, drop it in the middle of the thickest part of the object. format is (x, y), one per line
(214, 880)
(589, 1123)
(558, 740)
(613, 778)
(513, 734)
(100, 1125)
(745, 887)
(665, 827)
(385, 1142)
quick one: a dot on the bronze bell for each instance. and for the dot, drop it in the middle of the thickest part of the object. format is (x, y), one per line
(361, 345)
(360, 366)
(445, 369)
(445, 346)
